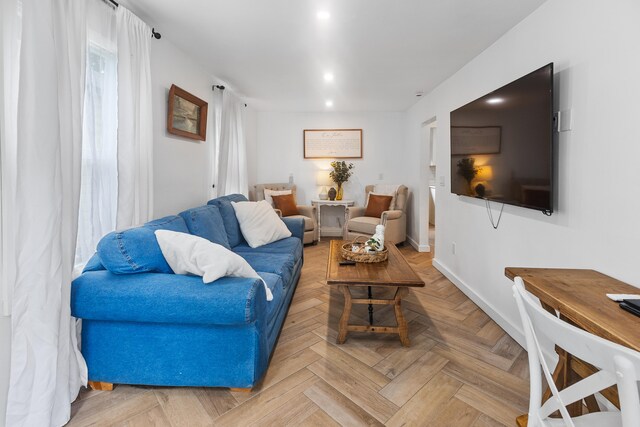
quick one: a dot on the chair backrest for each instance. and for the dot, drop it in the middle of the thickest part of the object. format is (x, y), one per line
(401, 196)
(619, 365)
(259, 189)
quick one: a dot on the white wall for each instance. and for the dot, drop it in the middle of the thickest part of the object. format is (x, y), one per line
(5, 359)
(596, 221)
(279, 150)
(180, 164)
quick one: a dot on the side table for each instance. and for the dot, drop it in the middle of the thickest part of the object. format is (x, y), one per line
(320, 203)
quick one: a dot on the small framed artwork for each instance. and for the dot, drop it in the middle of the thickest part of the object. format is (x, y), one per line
(332, 143)
(187, 114)
(475, 140)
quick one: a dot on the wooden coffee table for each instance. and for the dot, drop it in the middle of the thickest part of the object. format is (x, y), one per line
(393, 273)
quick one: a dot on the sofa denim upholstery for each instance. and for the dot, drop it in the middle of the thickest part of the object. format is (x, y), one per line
(159, 328)
(206, 222)
(231, 224)
(136, 250)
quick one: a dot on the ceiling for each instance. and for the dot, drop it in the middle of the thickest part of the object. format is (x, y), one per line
(381, 52)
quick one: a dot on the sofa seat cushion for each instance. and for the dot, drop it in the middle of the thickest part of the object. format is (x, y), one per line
(231, 224)
(206, 222)
(308, 222)
(280, 264)
(363, 224)
(136, 250)
(167, 298)
(290, 245)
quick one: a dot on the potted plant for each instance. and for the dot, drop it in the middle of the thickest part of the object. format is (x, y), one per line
(468, 170)
(340, 174)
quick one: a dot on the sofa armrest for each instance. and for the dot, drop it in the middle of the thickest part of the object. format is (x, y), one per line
(278, 211)
(296, 226)
(308, 211)
(167, 298)
(355, 211)
(387, 215)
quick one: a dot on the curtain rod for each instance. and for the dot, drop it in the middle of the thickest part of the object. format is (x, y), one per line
(154, 34)
(219, 87)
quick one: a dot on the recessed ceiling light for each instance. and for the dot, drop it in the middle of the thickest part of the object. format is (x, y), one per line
(323, 15)
(329, 103)
(494, 100)
(328, 77)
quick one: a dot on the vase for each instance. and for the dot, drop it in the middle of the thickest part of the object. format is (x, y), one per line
(340, 192)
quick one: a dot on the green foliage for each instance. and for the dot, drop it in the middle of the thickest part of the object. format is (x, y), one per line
(341, 171)
(467, 168)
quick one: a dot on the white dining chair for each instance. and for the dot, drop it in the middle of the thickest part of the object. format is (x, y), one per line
(618, 365)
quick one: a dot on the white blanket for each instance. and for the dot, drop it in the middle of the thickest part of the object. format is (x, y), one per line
(189, 254)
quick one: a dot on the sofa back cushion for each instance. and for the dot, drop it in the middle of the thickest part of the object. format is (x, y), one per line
(136, 250)
(206, 222)
(231, 225)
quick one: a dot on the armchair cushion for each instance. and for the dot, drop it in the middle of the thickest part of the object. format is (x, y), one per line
(393, 198)
(286, 203)
(309, 224)
(377, 204)
(268, 195)
(363, 224)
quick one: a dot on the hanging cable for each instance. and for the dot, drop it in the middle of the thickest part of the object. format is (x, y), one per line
(494, 224)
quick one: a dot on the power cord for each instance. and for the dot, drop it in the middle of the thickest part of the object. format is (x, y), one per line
(494, 224)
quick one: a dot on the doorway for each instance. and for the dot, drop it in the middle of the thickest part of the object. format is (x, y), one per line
(428, 205)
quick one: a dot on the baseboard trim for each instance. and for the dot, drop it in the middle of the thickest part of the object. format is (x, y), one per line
(418, 247)
(491, 311)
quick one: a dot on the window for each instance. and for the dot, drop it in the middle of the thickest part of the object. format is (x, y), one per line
(99, 187)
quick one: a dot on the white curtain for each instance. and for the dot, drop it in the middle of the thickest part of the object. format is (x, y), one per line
(10, 11)
(47, 369)
(214, 144)
(232, 160)
(135, 126)
(99, 190)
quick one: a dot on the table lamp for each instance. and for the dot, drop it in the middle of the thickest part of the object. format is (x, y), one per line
(323, 180)
(482, 181)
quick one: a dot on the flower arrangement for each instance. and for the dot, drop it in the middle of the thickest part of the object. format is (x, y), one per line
(341, 172)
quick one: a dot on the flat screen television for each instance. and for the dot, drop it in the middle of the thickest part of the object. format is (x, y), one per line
(502, 144)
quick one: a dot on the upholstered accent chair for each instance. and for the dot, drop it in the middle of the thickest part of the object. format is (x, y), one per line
(394, 219)
(307, 213)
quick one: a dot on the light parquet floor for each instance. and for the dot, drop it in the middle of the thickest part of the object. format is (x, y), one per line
(461, 369)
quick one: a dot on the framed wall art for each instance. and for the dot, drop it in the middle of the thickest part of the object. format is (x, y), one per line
(475, 140)
(332, 143)
(187, 114)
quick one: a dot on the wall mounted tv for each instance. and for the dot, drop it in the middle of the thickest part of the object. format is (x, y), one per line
(502, 144)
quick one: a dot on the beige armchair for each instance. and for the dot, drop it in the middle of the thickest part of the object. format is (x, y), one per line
(395, 220)
(308, 213)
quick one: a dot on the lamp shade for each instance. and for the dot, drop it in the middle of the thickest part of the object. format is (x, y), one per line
(323, 179)
(485, 173)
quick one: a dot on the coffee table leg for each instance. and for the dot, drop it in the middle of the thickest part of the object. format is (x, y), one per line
(403, 329)
(346, 313)
(370, 306)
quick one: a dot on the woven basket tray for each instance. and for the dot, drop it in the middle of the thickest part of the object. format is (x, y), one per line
(370, 257)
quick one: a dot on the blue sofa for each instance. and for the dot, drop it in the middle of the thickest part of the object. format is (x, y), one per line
(142, 324)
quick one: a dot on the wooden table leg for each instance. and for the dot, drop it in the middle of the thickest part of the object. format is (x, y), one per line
(403, 328)
(346, 313)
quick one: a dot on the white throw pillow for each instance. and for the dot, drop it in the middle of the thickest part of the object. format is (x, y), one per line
(259, 223)
(268, 194)
(189, 254)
